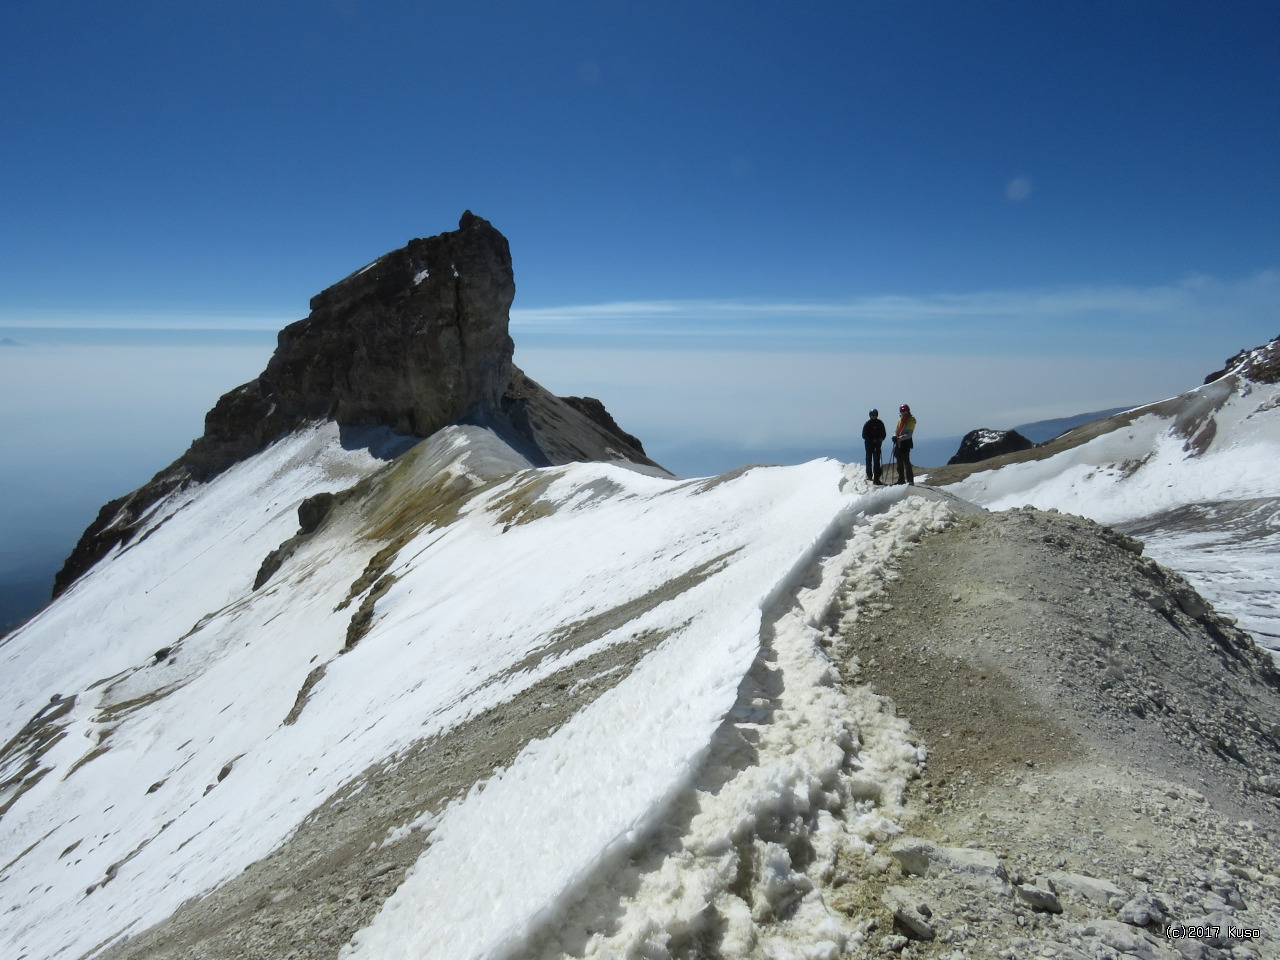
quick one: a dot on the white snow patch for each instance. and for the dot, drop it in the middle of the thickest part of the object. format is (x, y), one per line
(1146, 467)
(425, 821)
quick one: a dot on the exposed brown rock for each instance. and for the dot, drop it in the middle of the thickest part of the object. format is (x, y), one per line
(549, 429)
(594, 409)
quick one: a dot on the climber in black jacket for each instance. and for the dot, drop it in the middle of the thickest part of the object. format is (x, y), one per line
(873, 434)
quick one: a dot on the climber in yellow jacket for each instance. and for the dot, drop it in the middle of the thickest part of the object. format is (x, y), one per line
(902, 444)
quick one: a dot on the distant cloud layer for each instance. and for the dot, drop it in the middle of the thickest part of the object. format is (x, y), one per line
(750, 372)
(1089, 320)
(761, 399)
(1187, 318)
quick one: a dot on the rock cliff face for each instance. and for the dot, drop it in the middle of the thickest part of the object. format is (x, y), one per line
(413, 342)
(981, 444)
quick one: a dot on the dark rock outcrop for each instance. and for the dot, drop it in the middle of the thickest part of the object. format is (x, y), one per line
(982, 444)
(313, 510)
(415, 341)
(1261, 364)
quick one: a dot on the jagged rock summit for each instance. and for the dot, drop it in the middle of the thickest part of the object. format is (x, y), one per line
(984, 443)
(413, 342)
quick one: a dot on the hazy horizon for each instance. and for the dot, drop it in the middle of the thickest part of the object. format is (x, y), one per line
(141, 394)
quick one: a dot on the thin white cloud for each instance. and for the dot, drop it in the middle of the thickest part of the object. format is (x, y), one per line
(1195, 299)
(1017, 189)
(620, 310)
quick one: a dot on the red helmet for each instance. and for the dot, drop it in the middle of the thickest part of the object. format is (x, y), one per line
(904, 409)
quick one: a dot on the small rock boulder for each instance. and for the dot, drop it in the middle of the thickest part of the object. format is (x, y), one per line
(924, 858)
(1091, 889)
(1144, 910)
(1039, 896)
(983, 444)
(893, 943)
(313, 510)
(911, 914)
(1268, 784)
(1124, 939)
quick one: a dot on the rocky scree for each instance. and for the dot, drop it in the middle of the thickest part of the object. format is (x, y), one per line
(1102, 754)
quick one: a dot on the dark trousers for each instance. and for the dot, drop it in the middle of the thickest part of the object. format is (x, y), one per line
(873, 459)
(902, 449)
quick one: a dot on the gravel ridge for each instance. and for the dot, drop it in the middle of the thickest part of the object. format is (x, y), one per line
(1103, 754)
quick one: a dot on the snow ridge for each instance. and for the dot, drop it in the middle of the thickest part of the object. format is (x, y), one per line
(797, 776)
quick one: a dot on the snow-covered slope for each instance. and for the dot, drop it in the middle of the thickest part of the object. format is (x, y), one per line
(1196, 476)
(621, 636)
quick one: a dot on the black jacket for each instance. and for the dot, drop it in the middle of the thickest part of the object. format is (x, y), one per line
(873, 431)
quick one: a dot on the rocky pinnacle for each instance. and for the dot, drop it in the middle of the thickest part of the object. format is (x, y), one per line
(415, 341)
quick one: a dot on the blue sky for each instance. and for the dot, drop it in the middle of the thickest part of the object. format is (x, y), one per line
(739, 222)
(237, 157)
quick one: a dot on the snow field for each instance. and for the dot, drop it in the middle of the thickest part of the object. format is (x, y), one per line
(1236, 576)
(176, 725)
(201, 554)
(501, 860)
